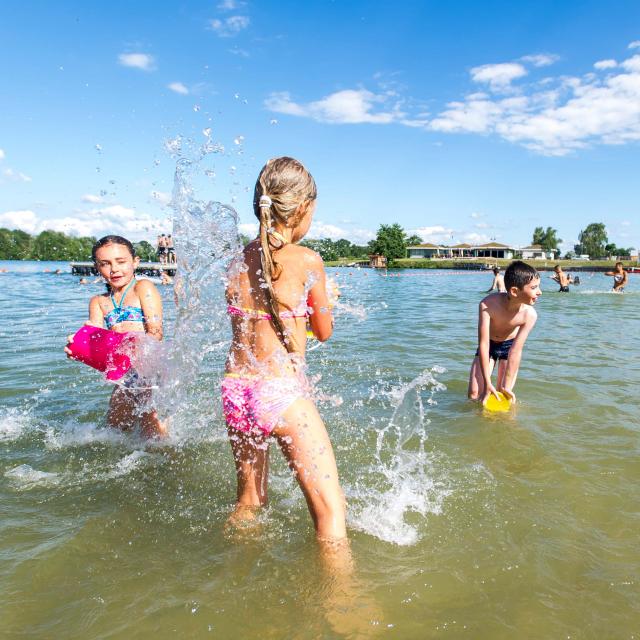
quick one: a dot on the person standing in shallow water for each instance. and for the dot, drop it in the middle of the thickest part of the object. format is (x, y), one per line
(128, 306)
(498, 281)
(504, 323)
(620, 278)
(273, 290)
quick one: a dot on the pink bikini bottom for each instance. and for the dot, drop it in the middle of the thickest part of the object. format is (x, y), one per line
(255, 404)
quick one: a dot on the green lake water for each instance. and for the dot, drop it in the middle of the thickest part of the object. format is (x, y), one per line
(520, 525)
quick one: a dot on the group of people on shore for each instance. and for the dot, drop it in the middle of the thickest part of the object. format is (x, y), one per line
(165, 249)
(277, 293)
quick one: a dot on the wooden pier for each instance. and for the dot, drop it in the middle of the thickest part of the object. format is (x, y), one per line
(153, 269)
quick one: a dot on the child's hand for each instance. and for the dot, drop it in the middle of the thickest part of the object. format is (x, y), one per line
(488, 391)
(66, 349)
(508, 393)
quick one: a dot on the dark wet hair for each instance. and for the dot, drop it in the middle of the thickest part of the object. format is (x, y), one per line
(496, 270)
(518, 274)
(103, 242)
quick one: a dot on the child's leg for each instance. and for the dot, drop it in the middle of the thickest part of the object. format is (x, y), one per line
(502, 370)
(151, 425)
(476, 380)
(251, 456)
(122, 410)
(306, 445)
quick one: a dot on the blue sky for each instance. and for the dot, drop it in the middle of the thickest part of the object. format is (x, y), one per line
(463, 121)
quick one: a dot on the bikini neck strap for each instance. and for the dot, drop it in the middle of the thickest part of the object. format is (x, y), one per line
(124, 295)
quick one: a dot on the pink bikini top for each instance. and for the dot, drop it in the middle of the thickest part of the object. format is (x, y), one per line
(255, 314)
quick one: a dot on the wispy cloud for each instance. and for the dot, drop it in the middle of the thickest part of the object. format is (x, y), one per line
(161, 197)
(541, 59)
(605, 64)
(634, 45)
(321, 230)
(117, 219)
(439, 234)
(142, 61)
(231, 5)
(178, 87)
(229, 27)
(90, 197)
(551, 115)
(2, 154)
(498, 76)
(350, 106)
(10, 175)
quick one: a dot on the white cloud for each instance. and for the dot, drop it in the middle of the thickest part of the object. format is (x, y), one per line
(142, 61)
(162, 197)
(498, 76)
(178, 87)
(89, 197)
(476, 214)
(15, 176)
(541, 59)
(435, 235)
(321, 230)
(634, 45)
(231, 5)
(565, 114)
(605, 64)
(248, 229)
(350, 106)
(24, 219)
(229, 27)
(482, 225)
(133, 224)
(2, 154)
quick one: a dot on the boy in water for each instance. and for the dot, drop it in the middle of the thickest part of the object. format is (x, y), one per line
(504, 323)
(563, 279)
(498, 281)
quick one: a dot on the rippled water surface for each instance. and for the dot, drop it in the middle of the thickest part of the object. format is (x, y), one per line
(522, 525)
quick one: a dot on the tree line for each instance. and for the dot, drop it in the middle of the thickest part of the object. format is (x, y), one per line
(55, 245)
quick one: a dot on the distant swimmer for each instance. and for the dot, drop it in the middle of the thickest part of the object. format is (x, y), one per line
(562, 278)
(504, 323)
(620, 278)
(498, 281)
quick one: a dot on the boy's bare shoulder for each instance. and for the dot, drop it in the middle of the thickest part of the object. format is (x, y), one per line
(491, 301)
(530, 314)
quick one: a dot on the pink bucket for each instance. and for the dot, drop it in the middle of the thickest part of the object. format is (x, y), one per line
(102, 350)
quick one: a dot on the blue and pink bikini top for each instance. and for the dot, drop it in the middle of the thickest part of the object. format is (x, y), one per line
(123, 314)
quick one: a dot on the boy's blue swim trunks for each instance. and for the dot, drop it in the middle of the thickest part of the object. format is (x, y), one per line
(498, 350)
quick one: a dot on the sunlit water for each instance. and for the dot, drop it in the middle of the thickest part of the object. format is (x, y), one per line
(522, 525)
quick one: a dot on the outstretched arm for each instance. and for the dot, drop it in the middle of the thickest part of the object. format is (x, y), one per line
(484, 324)
(151, 304)
(321, 318)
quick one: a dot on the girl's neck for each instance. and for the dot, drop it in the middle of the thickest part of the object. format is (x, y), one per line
(121, 288)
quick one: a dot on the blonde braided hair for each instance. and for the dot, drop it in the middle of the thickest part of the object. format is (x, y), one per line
(282, 186)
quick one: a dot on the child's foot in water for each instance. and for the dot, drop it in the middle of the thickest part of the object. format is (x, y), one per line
(243, 521)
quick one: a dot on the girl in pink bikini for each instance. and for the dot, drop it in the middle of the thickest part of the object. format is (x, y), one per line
(273, 293)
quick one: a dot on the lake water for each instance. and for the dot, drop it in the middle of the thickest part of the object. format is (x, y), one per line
(519, 525)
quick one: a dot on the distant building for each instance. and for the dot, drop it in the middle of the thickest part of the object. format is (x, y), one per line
(462, 250)
(377, 261)
(536, 252)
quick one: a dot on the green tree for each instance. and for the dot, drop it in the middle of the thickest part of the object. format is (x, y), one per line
(145, 251)
(413, 240)
(593, 240)
(390, 242)
(547, 239)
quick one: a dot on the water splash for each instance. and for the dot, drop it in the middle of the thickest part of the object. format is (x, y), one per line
(403, 479)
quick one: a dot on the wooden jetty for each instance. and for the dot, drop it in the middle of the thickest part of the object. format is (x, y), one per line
(153, 269)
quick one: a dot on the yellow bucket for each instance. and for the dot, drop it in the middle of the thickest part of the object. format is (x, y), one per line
(502, 404)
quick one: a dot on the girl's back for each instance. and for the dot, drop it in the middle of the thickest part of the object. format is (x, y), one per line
(256, 340)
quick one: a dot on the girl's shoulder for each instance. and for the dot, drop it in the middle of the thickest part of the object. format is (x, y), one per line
(99, 298)
(144, 286)
(310, 257)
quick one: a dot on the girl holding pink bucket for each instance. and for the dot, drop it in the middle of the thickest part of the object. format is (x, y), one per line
(127, 308)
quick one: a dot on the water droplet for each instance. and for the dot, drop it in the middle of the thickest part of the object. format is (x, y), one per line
(206, 132)
(98, 148)
(196, 107)
(238, 140)
(273, 121)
